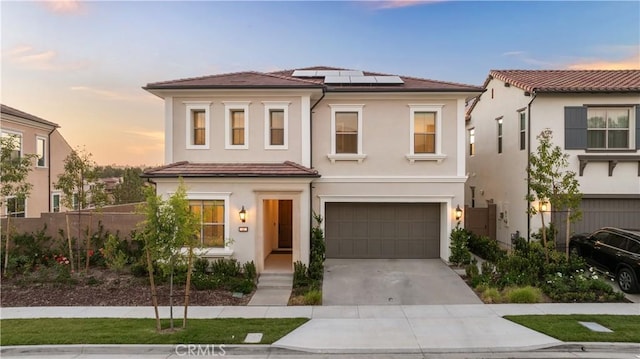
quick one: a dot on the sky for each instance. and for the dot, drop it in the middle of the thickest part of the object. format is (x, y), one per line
(82, 64)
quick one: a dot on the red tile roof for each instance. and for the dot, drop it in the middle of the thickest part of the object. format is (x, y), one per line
(189, 169)
(14, 112)
(570, 80)
(284, 79)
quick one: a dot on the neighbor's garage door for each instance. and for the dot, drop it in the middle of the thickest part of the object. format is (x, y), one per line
(609, 212)
(382, 230)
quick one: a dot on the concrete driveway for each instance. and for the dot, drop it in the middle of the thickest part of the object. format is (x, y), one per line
(393, 281)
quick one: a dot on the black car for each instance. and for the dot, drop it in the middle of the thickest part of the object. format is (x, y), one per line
(612, 250)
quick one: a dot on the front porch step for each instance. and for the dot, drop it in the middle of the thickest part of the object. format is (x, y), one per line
(273, 289)
(276, 280)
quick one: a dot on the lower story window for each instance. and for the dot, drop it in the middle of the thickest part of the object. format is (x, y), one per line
(211, 217)
(16, 207)
(56, 203)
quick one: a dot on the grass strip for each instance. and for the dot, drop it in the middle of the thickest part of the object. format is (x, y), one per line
(141, 331)
(626, 328)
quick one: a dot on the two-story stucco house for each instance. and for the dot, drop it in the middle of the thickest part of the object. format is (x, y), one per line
(594, 117)
(380, 158)
(35, 135)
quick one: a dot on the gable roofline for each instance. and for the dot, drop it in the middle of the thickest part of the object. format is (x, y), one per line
(186, 169)
(569, 81)
(180, 83)
(4, 109)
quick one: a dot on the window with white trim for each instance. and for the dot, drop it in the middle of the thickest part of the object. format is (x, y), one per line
(276, 123)
(346, 133)
(211, 216)
(16, 206)
(608, 128)
(499, 132)
(55, 202)
(523, 129)
(198, 125)
(472, 141)
(16, 137)
(41, 151)
(236, 125)
(425, 132)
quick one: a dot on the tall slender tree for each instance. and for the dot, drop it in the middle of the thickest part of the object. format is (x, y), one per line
(549, 180)
(131, 189)
(13, 178)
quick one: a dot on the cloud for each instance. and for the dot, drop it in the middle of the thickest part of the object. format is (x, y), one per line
(27, 57)
(513, 53)
(155, 135)
(632, 63)
(523, 56)
(64, 6)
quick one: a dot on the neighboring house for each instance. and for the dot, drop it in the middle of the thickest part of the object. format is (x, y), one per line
(41, 137)
(380, 158)
(594, 117)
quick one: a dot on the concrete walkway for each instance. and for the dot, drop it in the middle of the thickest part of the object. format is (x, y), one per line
(376, 329)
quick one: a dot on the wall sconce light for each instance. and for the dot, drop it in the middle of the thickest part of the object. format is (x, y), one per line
(243, 215)
(458, 213)
(543, 206)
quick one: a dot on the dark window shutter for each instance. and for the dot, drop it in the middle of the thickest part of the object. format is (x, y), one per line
(575, 128)
(638, 127)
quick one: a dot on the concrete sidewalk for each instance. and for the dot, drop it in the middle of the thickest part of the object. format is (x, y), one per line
(375, 329)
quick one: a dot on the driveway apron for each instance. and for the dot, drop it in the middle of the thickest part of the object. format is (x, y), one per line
(393, 282)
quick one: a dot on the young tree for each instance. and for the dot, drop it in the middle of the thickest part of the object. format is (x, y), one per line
(168, 227)
(550, 181)
(131, 189)
(81, 190)
(13, 178)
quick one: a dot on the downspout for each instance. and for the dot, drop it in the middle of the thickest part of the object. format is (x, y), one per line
(49, 165)
(311, 154)
(529, 163)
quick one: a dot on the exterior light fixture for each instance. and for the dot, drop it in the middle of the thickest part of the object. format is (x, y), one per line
(243, 215)
(458, 213)
(543, 206)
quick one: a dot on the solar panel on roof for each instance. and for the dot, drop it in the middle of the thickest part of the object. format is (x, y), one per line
(351, 73)
(304, 73)
(337, 80)
(363, 80)
(389, 79)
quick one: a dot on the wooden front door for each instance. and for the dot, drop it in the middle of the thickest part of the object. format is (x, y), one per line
(285, 223)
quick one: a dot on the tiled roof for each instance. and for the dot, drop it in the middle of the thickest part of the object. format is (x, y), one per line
(189, 169)
(570, 80)
(284, 79)
(14, 112)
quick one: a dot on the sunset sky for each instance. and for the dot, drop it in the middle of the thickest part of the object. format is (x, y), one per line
(82, 64)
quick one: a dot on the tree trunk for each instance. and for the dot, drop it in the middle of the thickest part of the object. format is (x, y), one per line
(544, 238)
(66, 216)
(566, 244)
(6, 250)
(154, 293)
(187, 287)
(89, 234)
(78, 240)
(171, 297)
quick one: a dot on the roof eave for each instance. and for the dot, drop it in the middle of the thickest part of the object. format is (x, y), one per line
(208, 175)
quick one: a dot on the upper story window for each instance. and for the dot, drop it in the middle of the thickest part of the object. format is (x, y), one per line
(41, 151)
(523, 129)
(276, 123)
(472, 141)
(16, 138)
(425, 124)
(499, 129)
(608, 128)
(602, 128)
(236, 125)
(346, 133)
(198, 125)
(211, 217)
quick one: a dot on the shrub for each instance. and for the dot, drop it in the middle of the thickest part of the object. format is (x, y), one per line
(204, 281)
(200, 265)
(139, 270)
(486, 248)
(579, 286)
(459, 246)
(317, 251)
(115, 257)
(226, 267)
(249, 271)
(313, 297)
(300, 277)
(491, 295)
(526, 294)
(241, 285)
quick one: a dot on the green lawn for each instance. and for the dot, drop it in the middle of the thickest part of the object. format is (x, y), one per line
(626, 328)
(141, 331)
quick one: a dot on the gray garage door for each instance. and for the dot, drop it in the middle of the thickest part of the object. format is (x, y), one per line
(602, 212)
(382, 230)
